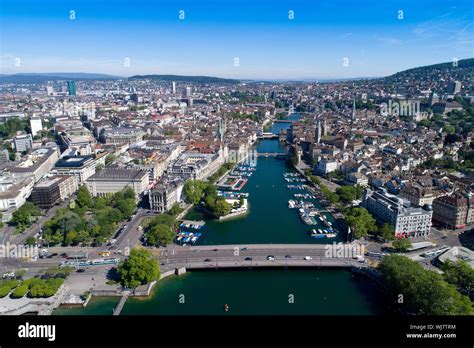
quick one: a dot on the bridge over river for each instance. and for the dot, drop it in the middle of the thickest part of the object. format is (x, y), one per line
(254, 255)
(271, 154)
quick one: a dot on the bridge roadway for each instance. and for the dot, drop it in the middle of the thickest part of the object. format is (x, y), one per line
(213, 256)
(252, 255)
(271, 154)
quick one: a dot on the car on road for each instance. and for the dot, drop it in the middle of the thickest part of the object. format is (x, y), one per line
(52, 255)
(207, 260)
(244, 249)
(307, 258)
(270, 257)
(80, 270)
(248, 259)
(288, 256)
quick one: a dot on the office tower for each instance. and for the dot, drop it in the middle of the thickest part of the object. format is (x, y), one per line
(36, 125)
(188, 91)
(173, 89)
(71, 88)
(23, 142)
(49, 90)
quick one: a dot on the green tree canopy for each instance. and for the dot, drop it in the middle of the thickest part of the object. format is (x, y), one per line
(139, 268)
(387, 232)
(460, 274)
(360, 221)
(22, 217)
(84, 198)
(402, 244)
(160, 235)
(222, 208)
(347, 193)
(194, 190)
(421, 291)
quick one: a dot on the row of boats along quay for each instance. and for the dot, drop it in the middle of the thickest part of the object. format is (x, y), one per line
(283, 210)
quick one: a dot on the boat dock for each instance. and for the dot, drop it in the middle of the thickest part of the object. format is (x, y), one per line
(120, 305)
(193, 224)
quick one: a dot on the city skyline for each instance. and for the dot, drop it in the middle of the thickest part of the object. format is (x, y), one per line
(242, 40)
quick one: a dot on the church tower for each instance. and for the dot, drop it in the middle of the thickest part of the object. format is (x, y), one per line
(317, 133)
(353, 119)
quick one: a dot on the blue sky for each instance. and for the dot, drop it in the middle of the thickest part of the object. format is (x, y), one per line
(105, 35)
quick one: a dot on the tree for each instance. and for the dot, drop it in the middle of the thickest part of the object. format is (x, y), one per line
(346, 193)
(360, 221)
(387, 232)
(193, 190)
(164, 219)
(4, 290)
(110, 158)
(424, 292)
(222, 208)
(402, 245)
(175, 210)
(460, 274)
(22, 217)
(160, 234)
(84, 198)
(139, 268)
(30, 240)
(19, 291)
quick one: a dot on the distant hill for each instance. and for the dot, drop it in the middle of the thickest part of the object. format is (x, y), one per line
(463, 71)
(182, 78)
(43, 77)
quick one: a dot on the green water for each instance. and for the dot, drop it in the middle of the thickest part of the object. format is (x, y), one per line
(96, 306)
(264, 292)
(269, 219)
(258, 291)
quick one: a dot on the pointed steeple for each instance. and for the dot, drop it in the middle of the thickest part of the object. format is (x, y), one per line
(353, 110)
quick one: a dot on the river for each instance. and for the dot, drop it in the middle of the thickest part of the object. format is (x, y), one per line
(321, 291)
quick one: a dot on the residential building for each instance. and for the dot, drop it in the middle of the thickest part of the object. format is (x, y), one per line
(13, 194)
(326, 166)
(407, 221)
(36, 164)
(454, 211)
(417, 196)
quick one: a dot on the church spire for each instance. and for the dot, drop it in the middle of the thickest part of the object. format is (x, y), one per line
(353, 110)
